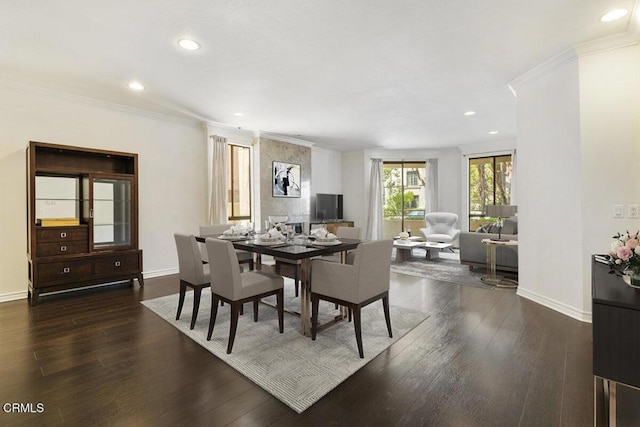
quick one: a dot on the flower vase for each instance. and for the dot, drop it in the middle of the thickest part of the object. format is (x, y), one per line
(632, 278)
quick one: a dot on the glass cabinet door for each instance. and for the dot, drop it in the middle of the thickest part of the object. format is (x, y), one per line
(111, 212)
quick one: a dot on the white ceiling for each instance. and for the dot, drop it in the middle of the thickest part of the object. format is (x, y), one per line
(344, 74)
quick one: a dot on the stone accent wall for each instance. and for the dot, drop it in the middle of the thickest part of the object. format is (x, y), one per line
(297, 209)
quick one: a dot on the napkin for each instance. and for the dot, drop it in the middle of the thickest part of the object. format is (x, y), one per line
(321, 233)
(235, 230)
(271, 234)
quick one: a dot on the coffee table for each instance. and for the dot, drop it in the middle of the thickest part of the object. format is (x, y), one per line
(434, 248)
(403, 249)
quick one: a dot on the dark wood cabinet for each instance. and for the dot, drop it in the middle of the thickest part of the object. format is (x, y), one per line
(82, 212)
(616, 322)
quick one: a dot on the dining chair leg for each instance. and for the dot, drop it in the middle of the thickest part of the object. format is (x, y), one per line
(296, 280)
(280, 302)
(385, 306)
(234, 325)
(314, 316)
(255, 309)
(214, 313)
(196, 305)
(183, 291)
(251, 263)
(356, 323)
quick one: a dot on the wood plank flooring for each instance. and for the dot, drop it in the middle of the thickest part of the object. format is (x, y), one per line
(482, 358)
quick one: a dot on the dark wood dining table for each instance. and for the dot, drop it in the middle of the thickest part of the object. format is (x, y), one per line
(296, 250)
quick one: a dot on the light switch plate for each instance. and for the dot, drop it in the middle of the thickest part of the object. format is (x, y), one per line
(618, 211)
(633, 211)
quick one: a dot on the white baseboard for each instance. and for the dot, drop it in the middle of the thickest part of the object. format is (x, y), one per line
(160, 273)
(567, 310)
(14, 296)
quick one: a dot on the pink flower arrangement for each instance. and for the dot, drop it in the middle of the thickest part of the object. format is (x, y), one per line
(624, 254)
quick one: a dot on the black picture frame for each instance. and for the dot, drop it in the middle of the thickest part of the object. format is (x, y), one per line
(285, 179)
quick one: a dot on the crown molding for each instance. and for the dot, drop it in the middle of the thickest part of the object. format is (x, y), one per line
(228, 131)
(616, 41)
(545, 68)
(17, 86)
(285, 138)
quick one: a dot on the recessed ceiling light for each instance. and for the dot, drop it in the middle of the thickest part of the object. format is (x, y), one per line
(238, 114)
(614, 14)
(469, 113)
(135, 86)
(188, 44)
(493, 132)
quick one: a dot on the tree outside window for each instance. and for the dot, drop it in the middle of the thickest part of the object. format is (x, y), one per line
(489, 184)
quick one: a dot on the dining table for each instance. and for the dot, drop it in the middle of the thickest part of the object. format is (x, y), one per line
(301, 249)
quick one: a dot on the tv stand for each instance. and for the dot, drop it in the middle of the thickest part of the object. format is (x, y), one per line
(330, 224)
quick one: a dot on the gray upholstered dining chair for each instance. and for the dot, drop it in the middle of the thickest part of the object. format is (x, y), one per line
(193, 273)
(244, 257)
(354, 285)
(228, 284)
(440, 227)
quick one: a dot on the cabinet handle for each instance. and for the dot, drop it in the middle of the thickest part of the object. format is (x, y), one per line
(66, 270)
(63, 248)
(117, 263)
(63, 235)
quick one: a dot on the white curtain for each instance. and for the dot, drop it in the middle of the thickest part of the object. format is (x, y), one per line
(374, 226)
(218, 198)
(431, 202)
(514, 174)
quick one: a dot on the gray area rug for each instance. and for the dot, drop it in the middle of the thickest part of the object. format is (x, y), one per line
(447, 268)
(290, 366)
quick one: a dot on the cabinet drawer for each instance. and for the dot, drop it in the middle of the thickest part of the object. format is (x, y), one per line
(117, 263)
(53, 271)
(62, 248)
(61, 234)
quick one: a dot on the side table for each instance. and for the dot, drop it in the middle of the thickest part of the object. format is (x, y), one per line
(492, 278)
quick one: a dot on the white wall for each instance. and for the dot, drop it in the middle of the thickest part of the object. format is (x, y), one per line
(610, 145)
(549, 198)
(578, 153)
(326, 171)
(355, 187)
(171, 161)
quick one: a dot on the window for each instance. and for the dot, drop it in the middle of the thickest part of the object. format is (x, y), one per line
(489, 184)
(239, 182)
(412, 178)
(403, 197)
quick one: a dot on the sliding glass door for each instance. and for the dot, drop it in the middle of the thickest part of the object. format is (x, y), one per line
(404, 195)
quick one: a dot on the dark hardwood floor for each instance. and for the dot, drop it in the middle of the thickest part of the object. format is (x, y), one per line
(482, 358)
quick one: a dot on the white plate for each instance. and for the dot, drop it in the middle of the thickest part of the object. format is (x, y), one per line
(332, 243)
(232, 237)
(261, 243)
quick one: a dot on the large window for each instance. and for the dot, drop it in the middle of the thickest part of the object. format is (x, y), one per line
(489, 184)
(239, 182)
(403, 197)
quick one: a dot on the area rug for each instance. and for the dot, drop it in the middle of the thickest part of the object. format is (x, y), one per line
(290, 366)
(447, 268)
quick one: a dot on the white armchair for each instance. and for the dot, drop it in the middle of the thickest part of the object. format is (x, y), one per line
(440, 227)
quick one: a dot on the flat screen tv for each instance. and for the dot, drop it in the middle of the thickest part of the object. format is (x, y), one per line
(328, 206)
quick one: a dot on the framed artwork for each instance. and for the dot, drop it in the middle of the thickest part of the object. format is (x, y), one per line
(286, 179)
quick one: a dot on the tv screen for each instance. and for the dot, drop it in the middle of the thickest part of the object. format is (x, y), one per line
(328, 206)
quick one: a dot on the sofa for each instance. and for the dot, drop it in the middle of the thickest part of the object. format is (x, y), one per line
(474, 253)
